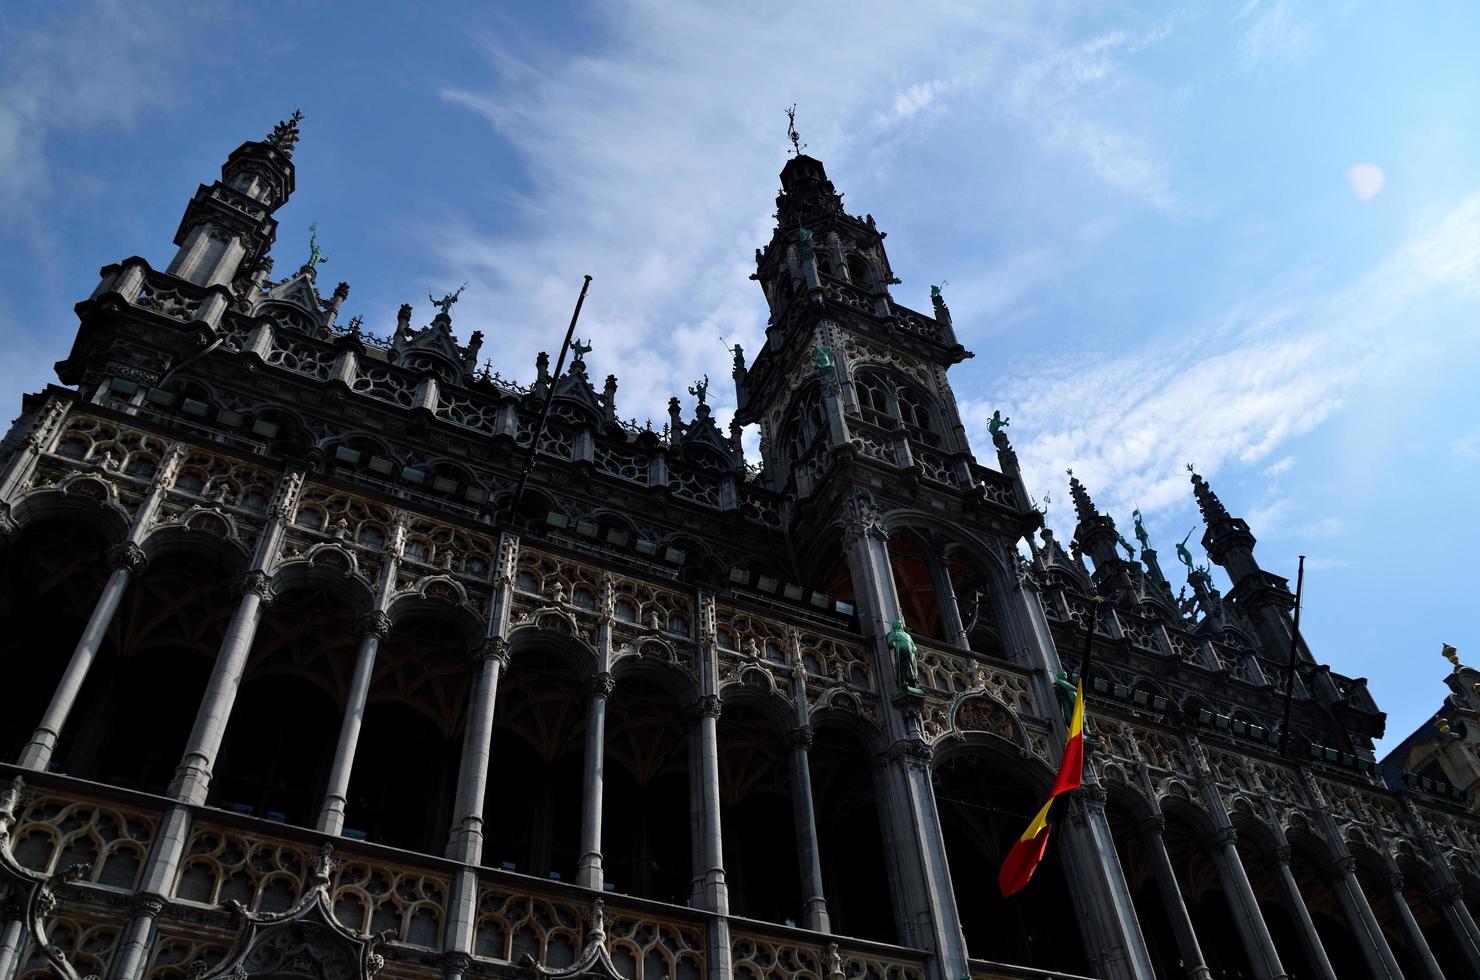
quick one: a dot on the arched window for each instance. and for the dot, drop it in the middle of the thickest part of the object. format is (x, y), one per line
(802, 427)
(824, 262)
(859, 271)
(884, 400)
(872, 388)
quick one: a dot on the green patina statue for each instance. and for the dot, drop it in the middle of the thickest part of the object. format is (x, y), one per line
(316, 255)
(1185, 556)
(822, 360)
(699, 389)
(1068, 694)
(996, 423)
(906, 658)
(445, 303)
(578, 350)
(1141, 534)
(1130, 553)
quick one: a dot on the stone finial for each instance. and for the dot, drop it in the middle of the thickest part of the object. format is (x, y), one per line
(1451, 653)
(1083, 506)
(284, 135)
(1208, 503)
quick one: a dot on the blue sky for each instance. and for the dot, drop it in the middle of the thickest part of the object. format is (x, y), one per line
(1246, 234)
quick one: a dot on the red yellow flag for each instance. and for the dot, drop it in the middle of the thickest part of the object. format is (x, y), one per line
(1027, 852)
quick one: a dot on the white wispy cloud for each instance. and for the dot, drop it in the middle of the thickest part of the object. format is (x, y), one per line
(1272, 31)
(1226, 394)
(89, 67)
(652, 164)
(1281, 465)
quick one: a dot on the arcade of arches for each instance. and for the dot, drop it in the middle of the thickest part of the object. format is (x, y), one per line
(799, 810)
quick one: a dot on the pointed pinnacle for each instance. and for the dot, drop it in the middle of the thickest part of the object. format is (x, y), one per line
(1212, 508)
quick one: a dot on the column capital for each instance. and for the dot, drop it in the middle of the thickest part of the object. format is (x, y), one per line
(912, 751)
(147, 905)
(862, 519)
(1446, 893)
(376, 624)
(1282, 854)
(491, 648)
(800, 737)
(259, 584)
(1343, 865)
(1152, 826)
(455, 962)
(1224, 836)
(1396, 880)
(128, 556)
(708, 705)
(599, 685)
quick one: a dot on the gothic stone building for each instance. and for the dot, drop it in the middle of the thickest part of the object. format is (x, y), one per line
(266, 591)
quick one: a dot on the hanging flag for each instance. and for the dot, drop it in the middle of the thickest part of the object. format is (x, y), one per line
(1027, 851)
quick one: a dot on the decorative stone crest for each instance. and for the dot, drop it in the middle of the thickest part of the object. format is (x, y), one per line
(39, 890)
(307, 938)
(594, 960)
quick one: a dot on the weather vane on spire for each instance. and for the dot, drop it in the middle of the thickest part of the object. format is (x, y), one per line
(791, 131)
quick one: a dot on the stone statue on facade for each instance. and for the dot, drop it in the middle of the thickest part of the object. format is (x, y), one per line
(997, 422)
(1068, 694)
(700, 389)
(1141, 534)
(1185, 556)
(906, 658)
(1130, 553)
(578, 351)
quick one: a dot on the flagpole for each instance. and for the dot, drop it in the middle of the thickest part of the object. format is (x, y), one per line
(1089, 643)
(539, 429)
(1290, 670)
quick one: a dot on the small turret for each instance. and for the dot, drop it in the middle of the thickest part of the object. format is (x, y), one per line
(1095, 532)
(228, 227)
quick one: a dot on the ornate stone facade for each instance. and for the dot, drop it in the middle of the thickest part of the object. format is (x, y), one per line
(267, 590)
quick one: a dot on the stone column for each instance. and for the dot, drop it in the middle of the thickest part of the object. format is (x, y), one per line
(1448, 899)
(1252, 930)
(1310, 940)
(712, 892)
(1361, 921)
(193, 777)
(919, 876)
(804, 813)
(465, 842)
(589, 873)
(945, 596)
(1194, 967)
(373, 627)
(11, 934)
(1411, 931)
(128, 561)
